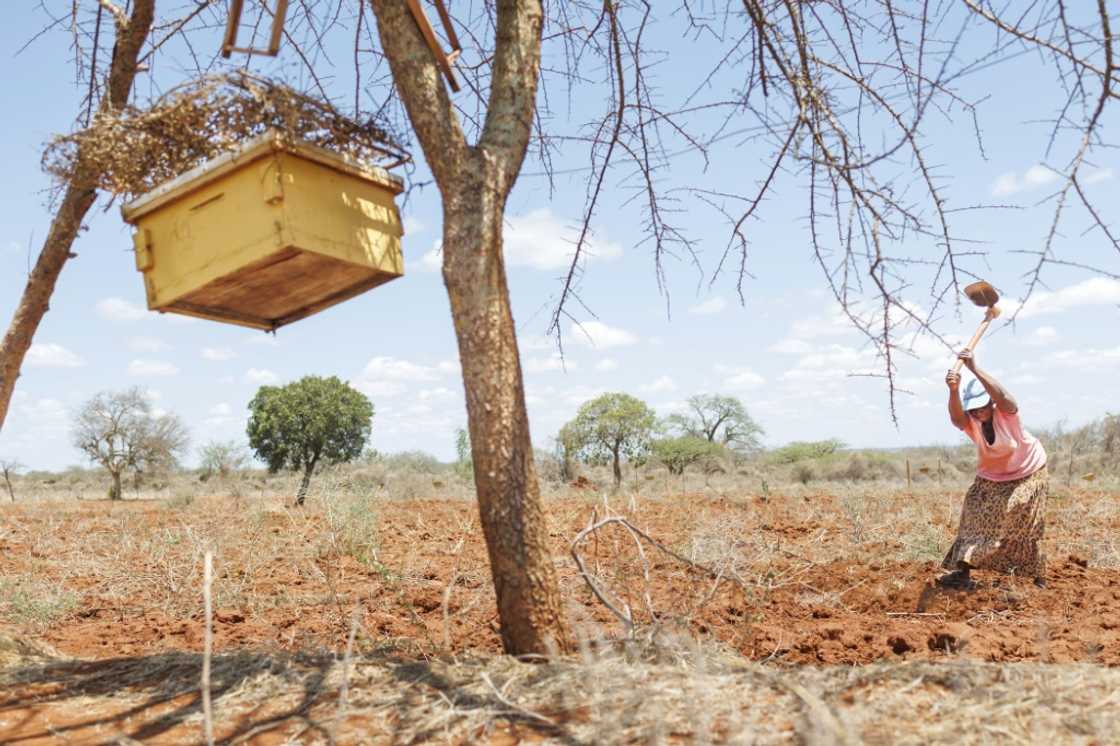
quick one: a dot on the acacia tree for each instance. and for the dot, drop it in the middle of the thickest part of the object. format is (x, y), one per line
(8, 469)
(612, 427)
(840, 89)
(719, 419)
(119, 431)
(475, 180)
(311, 421)
(108, 91)
(679, 453)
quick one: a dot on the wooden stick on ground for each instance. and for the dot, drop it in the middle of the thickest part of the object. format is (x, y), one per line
(207, 646)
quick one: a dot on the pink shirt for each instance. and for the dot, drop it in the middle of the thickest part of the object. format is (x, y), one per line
(1014, 455)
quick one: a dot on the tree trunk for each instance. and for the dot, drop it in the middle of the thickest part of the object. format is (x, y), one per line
(302, 494)
(616, 464)
(509, 500)
(115, 490)
(474, 182)
(79, 197)
(8, 482)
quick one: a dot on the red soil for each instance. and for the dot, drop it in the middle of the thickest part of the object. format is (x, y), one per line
(799, 603)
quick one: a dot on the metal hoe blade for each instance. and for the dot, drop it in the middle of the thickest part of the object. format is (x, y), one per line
(982, 294)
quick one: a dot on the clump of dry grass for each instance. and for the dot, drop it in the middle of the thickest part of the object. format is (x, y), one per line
(132, 150)
(609, 694)
(34, 603)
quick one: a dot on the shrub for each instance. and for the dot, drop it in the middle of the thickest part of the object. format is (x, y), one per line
(677, 454)
(804, 450)
(803, 473)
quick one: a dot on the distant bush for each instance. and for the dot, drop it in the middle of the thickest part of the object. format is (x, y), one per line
(677, 454)
(222, 458)
(802, 450)
(418, 462)
(866, 467)
(804, 473)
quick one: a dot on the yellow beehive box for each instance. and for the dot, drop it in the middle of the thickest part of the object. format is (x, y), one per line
(268, 234)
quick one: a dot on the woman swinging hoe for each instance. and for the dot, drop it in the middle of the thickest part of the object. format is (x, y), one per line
(1003, 515)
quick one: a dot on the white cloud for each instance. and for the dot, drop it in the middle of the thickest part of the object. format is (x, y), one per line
(1034, 177)
(43, 412)
(539, 240)
(1089, 359)
(1043, 335)
(790, 346)
(449, 367)
(440, 392)
(832, 356)
(739, 377)
(833, 324)
(377, 389)
(580, 395)
(553, 362)
(606, 364)
(260, 376)
(598, 335)
(710, 306)
(432, 260)
(389, 376)
(395, 369)
(1099, 175)
(933, 352)
(147, 344)
(535, 342)
(1096, 291)
(831, 362)
(118, 309)
(218, 353)
(659, 385)
(266, 339)
(151, 368)
(47, 355)
(219, 415)
(413, 225)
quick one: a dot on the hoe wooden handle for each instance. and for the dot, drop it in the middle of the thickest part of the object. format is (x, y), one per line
(992, 313)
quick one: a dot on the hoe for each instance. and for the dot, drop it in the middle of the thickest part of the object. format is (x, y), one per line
(982, 294)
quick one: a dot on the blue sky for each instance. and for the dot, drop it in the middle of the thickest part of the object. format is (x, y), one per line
(787, 352)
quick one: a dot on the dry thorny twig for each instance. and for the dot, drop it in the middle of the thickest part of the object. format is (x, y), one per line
(842, 93)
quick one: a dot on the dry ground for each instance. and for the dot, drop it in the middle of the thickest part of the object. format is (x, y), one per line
(101, 606)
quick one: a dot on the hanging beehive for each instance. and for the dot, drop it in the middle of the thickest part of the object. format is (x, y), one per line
(269, 233)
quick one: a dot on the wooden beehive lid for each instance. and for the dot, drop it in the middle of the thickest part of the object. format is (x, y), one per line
(258, 147)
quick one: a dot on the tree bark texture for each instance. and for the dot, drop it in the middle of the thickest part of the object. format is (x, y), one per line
(305, 483)
(474, 182)
(78, 198)
(616, 465)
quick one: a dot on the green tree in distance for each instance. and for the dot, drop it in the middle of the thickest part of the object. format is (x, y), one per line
(312, 420)
(719, 419)
(679, 453)
(610, 427)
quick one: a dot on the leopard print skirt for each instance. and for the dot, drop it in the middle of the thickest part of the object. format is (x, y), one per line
(1001, 526)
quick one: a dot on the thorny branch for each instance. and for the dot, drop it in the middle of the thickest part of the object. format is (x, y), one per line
(827, 105)
(625, 615)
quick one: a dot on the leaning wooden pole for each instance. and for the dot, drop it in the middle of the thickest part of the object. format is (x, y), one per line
(81, 191)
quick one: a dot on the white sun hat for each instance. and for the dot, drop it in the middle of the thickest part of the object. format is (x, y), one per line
(974, 396)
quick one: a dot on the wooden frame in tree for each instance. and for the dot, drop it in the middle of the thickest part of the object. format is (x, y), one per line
(229, 44)
(445, 61)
